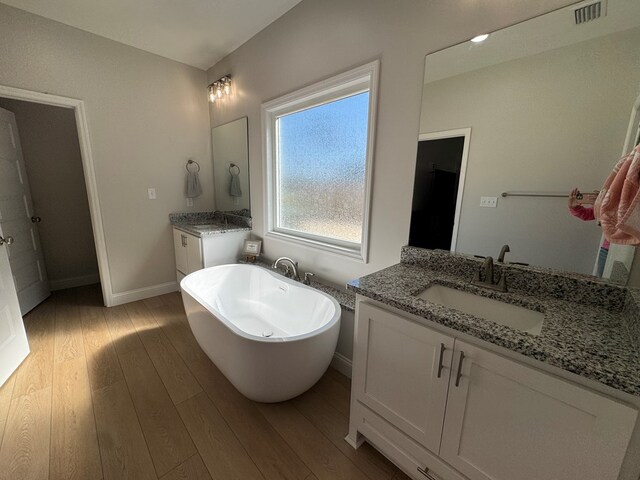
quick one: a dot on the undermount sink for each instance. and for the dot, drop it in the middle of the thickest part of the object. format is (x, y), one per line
(514, 316)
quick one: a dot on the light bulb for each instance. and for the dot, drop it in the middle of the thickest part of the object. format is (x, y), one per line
(219, 91)
(212, 95)
(227, 88)
(480, 38)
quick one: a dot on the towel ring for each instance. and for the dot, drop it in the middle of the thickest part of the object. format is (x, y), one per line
(190, 162)
(232, 166)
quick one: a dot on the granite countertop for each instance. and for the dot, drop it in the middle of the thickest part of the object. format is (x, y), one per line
(208, 229)
(204, 224)
(592, 341)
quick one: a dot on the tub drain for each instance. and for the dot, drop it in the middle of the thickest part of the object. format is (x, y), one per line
(267, 333)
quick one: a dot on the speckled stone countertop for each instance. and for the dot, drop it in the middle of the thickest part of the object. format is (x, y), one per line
(204, 224)
(346, 299)
(594, 336)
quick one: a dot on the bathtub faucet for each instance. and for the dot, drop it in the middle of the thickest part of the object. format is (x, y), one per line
(291, 267)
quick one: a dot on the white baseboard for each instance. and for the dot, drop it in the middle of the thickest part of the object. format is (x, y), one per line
(73, 282)
(342, 364)
(142, 293)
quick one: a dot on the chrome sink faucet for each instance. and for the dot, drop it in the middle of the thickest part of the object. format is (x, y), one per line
(488, 282)
(291, 267)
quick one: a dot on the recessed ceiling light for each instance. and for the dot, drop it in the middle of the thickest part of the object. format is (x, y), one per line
(480, 38)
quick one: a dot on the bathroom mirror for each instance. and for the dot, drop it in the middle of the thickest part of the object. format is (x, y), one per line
(512, 122)
(230, 150)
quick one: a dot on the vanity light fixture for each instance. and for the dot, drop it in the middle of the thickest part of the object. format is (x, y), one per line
(480, 38)
(218, 88)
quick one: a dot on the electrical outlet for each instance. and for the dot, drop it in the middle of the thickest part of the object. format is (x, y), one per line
(189, 202)
(152, 193)
(490, 202)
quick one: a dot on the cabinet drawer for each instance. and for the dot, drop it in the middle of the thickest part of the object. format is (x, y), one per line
(402, 450)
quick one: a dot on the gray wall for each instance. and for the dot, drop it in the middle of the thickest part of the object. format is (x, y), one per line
(543, 123)
(146, 115)
(51, 151)
(318, 39)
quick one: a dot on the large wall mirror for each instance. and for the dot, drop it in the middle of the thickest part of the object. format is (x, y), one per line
(230, 148)
(511, 123)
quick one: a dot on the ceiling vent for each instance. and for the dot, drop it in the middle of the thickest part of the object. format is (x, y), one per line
(590, 12)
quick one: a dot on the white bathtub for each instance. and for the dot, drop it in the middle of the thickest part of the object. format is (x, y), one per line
(272, 337)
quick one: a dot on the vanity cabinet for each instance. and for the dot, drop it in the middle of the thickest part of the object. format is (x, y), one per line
(484, 417)
(194, 253)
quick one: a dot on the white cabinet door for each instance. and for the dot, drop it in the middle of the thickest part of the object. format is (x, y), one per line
(505, 421)
(401, 372)
(188, 250)
(180, 247)
(194, 254)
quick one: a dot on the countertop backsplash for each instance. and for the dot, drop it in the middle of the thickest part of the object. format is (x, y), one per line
(537, 281)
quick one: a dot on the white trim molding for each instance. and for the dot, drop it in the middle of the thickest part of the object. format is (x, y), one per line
(358, 80)
(142, 293)
(460, 132)
(72, 282)
(342, 364)
(89, 173)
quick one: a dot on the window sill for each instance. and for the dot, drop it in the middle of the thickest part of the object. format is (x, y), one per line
(357, 255)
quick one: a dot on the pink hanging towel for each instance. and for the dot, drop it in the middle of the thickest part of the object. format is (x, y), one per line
(618, 204)
(629, 222)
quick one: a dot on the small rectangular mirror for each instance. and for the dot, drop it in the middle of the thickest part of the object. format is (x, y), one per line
(230, 148)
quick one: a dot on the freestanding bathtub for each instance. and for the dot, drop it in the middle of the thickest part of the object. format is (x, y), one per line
(272, 337)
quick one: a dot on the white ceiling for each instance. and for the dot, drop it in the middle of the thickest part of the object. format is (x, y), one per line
(540, 34)
(195, 32)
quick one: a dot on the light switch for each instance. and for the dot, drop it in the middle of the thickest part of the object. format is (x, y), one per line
(189, 202)
(152, 193)
(490, 202)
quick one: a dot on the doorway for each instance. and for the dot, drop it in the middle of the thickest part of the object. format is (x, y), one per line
(45, 205)
(76, 109)
(437, 193)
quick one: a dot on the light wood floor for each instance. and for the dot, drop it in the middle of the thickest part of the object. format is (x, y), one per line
(127, 393)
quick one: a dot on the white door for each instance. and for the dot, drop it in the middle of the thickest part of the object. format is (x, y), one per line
(13, 339)
(506, 421)
(18, 219)
(401, 372)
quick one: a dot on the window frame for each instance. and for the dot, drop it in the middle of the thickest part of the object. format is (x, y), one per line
(352, 82)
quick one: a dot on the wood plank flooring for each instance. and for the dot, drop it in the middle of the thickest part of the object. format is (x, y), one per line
(127, 393)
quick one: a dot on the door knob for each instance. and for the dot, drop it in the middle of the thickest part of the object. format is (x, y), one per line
(36, 219)
(8, 240)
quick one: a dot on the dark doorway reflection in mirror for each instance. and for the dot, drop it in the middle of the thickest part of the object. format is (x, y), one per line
(435, 192)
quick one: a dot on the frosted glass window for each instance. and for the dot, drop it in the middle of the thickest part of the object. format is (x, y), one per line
(321, 166)
(318, 163)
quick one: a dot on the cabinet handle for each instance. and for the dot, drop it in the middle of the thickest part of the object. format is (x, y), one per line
(440, 366)
(459, 374)
(184, 240)
(425, 472)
